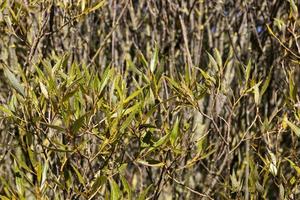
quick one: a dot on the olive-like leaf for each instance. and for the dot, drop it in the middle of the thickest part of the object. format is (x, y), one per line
(115, 192)
(174, 133)
(14, 81)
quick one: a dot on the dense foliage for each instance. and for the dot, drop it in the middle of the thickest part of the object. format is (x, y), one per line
(144, 99)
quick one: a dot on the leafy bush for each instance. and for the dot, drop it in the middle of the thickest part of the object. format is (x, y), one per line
(149, 100)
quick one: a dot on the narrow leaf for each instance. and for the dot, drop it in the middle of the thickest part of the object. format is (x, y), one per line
(294, 128)
(78, 174)
(105, 78)
(6, 110)
(151, 163)
(174, 133)
(126, 187)
(97, 6)
(248, 70)
(44, 90)
(133, 95)
(78, 124)
(14, 81)
(218, 57)
(143, 195)
(213, 62)
(154, 60)
(115, 192)
(294, 165)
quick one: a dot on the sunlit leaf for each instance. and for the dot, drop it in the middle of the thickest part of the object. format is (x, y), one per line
(97, 5)
(154, 60)
(115, 192)
(6, 110)
(296, 168)
(44, 90)
(151, 163)
(126, 187)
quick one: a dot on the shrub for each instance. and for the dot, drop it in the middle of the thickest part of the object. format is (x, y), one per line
(149, 100)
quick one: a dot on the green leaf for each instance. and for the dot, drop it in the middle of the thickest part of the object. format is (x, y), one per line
(133, 110)
(14, 81)
(266, 83)
(294, 166)
(294, 128)
(126, 187)
(96, 185)
(235, 184)
(218, 57)
(174, 133)
(4, 198)
(115, 192)
(97, 6)
(173, 83)
(6, 110)
(22, 163)
(39, 72)
(162, 141)
(71, 93)
(213, 62)
(143, 195)
(133, 95)
(142, 59)
(78, 174)
(39, 172)
(207, 76)
(105, 78)
(78, 123)
(294, 9)
(59, 128)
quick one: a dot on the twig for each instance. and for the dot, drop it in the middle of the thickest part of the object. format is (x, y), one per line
(186, 45)
(37, 39)
(190, 189)
(108, 35)
(214, 181)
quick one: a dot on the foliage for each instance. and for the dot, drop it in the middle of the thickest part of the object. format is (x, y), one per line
(149, 99)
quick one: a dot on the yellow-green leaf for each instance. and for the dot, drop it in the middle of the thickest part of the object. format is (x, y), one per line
(44, 90)
(126, 187)
(294, 166)
(14, 81)
(115, 192)
(294, 128)
(143, 194)
(6, 110)
(174, 133)
(213, 62)
(218, 57)
(97, 6)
